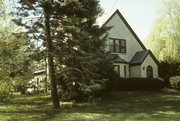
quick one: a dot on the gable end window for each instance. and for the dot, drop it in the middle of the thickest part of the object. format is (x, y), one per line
(117, 45)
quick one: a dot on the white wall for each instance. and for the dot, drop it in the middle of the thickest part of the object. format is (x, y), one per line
(120, 31)
(135, 71)
(41, 78)
(149, 61)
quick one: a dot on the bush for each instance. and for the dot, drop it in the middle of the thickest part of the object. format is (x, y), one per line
(5, 87)
(5, 92)
(167, 70)
(175, 82)
(36, 92)
(137, 84)
(78, 86)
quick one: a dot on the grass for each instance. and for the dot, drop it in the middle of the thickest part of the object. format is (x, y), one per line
(119, 106)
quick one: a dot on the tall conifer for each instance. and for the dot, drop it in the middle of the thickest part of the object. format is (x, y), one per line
(77, 41)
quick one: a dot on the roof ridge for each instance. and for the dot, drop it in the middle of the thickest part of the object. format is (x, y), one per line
(127, 25)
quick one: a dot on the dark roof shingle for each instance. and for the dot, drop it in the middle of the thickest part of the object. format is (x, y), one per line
(115, 58)
(139, 57)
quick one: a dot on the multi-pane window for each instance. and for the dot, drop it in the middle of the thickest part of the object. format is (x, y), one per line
(117, 45)
(111, 45)
(125, 75)
(116, 69)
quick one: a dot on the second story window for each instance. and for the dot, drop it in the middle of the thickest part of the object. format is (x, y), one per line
(117, 45)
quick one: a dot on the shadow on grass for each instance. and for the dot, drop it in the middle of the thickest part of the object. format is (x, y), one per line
(134, 106)
(126, 106)
(27, 108)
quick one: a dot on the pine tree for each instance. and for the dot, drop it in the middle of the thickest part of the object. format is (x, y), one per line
(79, 49)
(38, 31)
(77, 42)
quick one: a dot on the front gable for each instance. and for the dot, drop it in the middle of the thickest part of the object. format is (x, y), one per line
(149, 61)
(121, 30)
(128, 53)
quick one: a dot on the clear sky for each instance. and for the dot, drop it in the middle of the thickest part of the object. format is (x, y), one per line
(140, 14)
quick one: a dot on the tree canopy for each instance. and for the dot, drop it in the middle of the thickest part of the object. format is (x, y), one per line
(164, 36)
(77, 41)
(15, 66)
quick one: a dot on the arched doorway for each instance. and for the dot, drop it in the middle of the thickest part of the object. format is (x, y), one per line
(149, 72)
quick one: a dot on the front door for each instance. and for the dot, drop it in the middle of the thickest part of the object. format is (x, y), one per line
(149, 72)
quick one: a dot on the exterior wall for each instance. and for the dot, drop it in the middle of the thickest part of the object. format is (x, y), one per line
(149, 61)
(38, 82)
(121, 66)
(135, 71)
(120, 31)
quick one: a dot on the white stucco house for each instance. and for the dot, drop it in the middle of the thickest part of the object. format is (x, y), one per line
(130, 57)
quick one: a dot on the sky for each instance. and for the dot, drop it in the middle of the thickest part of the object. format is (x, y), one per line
(140, 14)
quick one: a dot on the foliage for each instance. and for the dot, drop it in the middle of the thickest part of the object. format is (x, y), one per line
(80, 50)
(78, 43)
(6, 86)
(137, 84)
(175, 82)
(14, 58)
(73, 85)
(123, 105)
(1, 8)
(36, 92)
(169, 69)
(164, 37)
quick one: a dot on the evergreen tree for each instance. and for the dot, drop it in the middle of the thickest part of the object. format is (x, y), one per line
(40, 30)
(77, 42)
(79, 49)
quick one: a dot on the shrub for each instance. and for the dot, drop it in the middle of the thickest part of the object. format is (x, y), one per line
(167, 70)
(75, 84)
(137, 84)
(175, 82)
(36, 92)
(5, 88)
(5, 91)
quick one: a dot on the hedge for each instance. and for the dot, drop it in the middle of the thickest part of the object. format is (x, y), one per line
(137, 84)
(175, 82)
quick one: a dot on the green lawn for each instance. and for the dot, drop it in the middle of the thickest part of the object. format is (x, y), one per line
(119, 106)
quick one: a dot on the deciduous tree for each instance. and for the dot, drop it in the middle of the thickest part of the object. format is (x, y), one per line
(164, 37)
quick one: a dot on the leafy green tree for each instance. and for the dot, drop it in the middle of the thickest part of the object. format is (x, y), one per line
(164, 37)
(15, 64)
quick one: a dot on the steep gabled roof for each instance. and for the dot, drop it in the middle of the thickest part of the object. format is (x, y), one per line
(127, 25)
(140, 56)
(115, 58)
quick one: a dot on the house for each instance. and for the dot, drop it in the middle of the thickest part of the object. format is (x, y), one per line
(39, 82)
(130, 57)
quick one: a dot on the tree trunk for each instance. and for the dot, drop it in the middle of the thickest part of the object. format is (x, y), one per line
(22, 90)
(52, 78)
